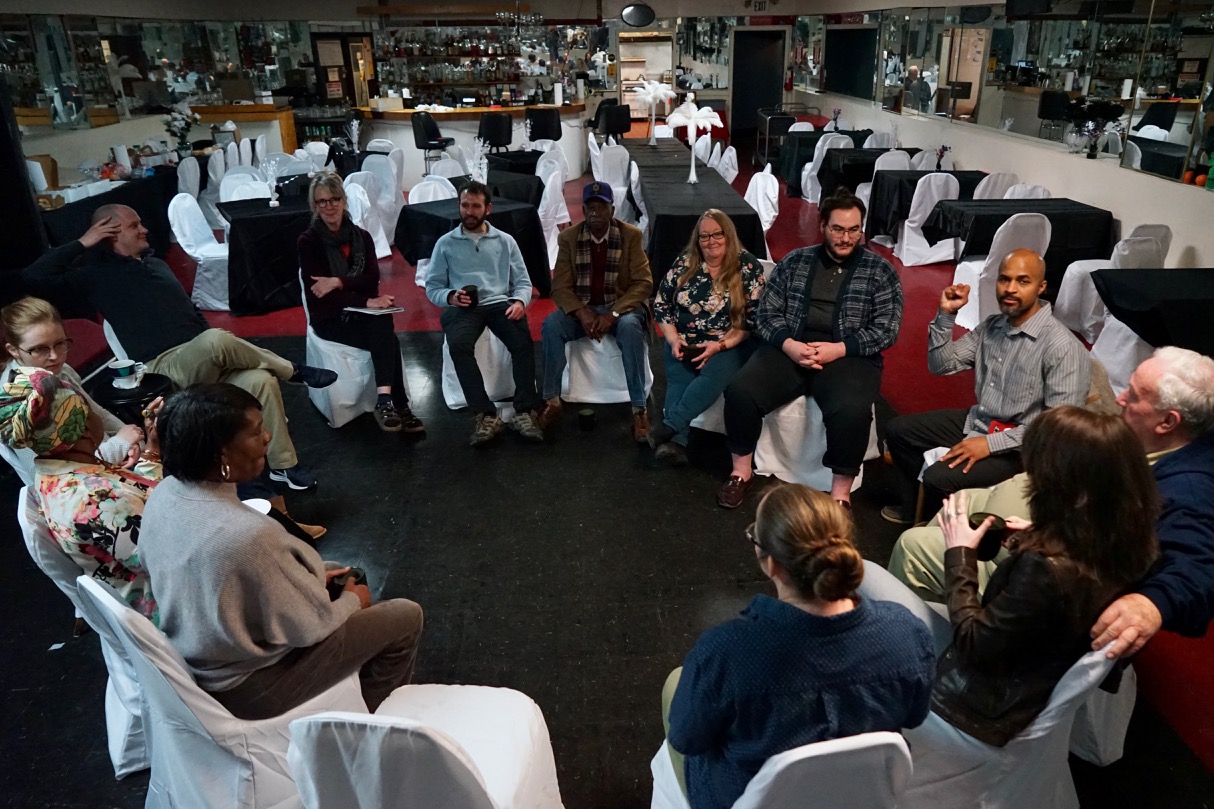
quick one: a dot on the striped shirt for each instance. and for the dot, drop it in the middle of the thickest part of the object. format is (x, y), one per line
(1018, 371)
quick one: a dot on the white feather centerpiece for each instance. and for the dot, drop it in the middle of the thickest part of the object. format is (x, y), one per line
(695, 119)
(652, 93)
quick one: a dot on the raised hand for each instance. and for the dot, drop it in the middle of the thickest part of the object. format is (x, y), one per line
(101, 230)
(954, 297)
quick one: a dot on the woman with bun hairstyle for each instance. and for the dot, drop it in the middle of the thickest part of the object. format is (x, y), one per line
(815, 663)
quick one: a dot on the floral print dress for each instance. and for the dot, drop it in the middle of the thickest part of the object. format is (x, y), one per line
(699, 310)
(94, 513)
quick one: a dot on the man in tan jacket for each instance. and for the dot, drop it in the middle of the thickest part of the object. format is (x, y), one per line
(601, 285)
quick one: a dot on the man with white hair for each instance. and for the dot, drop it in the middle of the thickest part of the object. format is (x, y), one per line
(1169, 405)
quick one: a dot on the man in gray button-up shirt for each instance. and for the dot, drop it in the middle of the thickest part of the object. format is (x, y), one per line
(1024, 361)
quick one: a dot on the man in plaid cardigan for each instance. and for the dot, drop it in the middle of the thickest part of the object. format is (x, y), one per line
(826, 314)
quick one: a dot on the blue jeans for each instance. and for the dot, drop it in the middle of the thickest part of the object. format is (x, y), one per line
(629, 331)
(690, 392)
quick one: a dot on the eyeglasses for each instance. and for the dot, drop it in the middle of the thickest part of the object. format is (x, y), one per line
(750, 534)
(328, 202)
(835, 230)
(719, 236)
(40, 353)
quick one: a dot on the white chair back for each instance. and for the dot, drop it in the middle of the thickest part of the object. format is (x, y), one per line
(431, 189)
(293, 165)
(928, 191)
(188, 176)
(397, 156)
(232, 154)
(1138, 253)
(208, 197)
(880, 140)
(230, 182)
(913, 248)
(553, 211)
(248, 171)
(801, 126)
(1022, 231)
(703, 147)
(446, 166)
(714, 159)
(457, 154)
(893, 160)
(763, 194)
(1027, 191)
(390, 198)
(925, 161)
(613, 166)
(811, 187)
(1109, 142)
(246, 152)
(552, 151)
(1161, 234)
(728, 167)
(356, 205)
(380, 145)
(1133, 155)
(548, 164)
(373, 221)
(995, 186)
(260, 149)
(190, 226)
(318, 153)
(1153, 132)
(256, 189)
(634, 181)
(593, 150)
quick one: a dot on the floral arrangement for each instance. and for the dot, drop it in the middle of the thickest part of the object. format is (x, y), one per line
(834, 116)
(695, 119)
(652, 93)
(940, 153)
(479, 168)
(1090, 116)
(179, 122)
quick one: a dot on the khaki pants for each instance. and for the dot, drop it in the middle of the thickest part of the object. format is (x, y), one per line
(220, 356)
(676, 758)
(918, 557)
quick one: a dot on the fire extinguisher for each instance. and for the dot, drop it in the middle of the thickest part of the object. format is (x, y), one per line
(788, 79)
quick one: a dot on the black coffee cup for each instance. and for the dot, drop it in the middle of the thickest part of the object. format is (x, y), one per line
(586, 419)
(691, 353)
(337, 584)
(472, 292)
(992, 540)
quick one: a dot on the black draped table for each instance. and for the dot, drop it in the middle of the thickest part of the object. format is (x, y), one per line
(520, 161)
(1078, 231)
(1163, 307)
(263, 259)
(420, 226)
(851, 167)
(675, 206)
(798, 149)
(148, 196)
(1162, 157)
(890, 202)
(526, 188)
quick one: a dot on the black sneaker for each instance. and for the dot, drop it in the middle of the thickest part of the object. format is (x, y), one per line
(387, 418)
(659, 435)
(313, 377)
(409, 422)
(298, 477)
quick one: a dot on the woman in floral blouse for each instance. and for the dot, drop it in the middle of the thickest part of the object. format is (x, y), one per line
(705, 309)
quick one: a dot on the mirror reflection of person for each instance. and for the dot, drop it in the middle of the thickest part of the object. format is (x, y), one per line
(918, 91)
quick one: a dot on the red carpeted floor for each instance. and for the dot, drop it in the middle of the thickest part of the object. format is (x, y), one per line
(908, 387)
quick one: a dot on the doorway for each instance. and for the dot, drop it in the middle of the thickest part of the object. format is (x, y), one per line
(758, 78)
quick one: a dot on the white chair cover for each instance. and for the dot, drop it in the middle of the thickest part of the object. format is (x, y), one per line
(880, 140)
(431, 189)
(924, 161)
(1030, 231)
(382, 145)
(1133, 155)
(1120, 350)
(318, 153)
(232, 154)
(643, 220)
(230, 182)
(246, 152)
(663, 131)
(210, 291)
(208, 198)
(703, 147)
(496, 368)
(293, 165)
(1161, 234)
(811, 188)
(390, 199)
(187, 176)
(446, 166)
(1027, 191)
(1098, 734)
(357, 205)
(995, 186)
(1079, 306)
(893, 160)
(397, 156)
(714, 159)
(248, 171)
(373, 221)
(260, 149)
(553, 150)
(728, 167)
(912, 247)
(801, 126)
(954, 770)
(1109, 142)
(763, 194)
(201, 754)
(302, 154)
(1153, 132)
(547, 164)
(257, 189)
(594, 373)
(457, 154)
(593, 151)
(613, 165)
(126, 740)
(868, 771)
(553, 211)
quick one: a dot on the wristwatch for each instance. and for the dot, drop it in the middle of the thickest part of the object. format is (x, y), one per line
(615, 314)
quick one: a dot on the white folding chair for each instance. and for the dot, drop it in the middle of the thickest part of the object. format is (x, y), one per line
(457, 154)
(295, 166)
(926, 161)
(912, 247)
(553, 211)
(248, 171)
(1153, 132)
(811, 188)
(390, 199)
(433, 187)
(867, 771)
(1160, 233)
(801, 126)
(893, 160)
(433, 746)
(1079, 306)
(953, 770)
(201, 755)
(552, 149)
(397, 156)
(373, 220)
(232, 155)
(188, 176)
(496, 369)
(714, 159)
(703, 147)
(728, 167)
(880, 140)
(1027, 231)
(594, 152)
(613, 164)
(1133, 155)
(126, 741)
(1027, 191)
(196, 238)
(260, 149)
(995, 186)
(382, 145)
(594, 372)
(208, 198)
(318, 153)
(232, 181)
(763, 194)
(547, 164)
(446, 166)
(256, 189)
(634, 180)
(246, 152)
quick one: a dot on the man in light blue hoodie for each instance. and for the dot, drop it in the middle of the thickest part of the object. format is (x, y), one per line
(477, 276)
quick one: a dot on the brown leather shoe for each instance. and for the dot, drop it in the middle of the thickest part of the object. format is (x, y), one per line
(550, 413)
(640, 426)
(314, 531)
(733, 492)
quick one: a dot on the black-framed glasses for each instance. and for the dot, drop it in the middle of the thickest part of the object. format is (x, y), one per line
(42, 352)
(839, 231)
(753, 537)
(719, 236)
(328, 202)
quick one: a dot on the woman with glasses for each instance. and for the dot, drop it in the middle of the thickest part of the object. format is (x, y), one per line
(814, 663)
(705, 309)
(337, 260)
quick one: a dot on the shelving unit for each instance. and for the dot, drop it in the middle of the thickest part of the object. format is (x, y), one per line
(434, 62)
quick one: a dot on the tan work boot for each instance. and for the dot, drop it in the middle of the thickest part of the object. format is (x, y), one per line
(550, 412)
(640, 425)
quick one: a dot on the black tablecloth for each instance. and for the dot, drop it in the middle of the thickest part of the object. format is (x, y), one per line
(420, 226)
(798, 149)
(149, 197)
(128, 403)
(520, 161)
(263, 259)
(1163, 307)
(850, 167)
(1078, 231)
(1162, 157)
(890, 202)
(665, 153)
(526, 188)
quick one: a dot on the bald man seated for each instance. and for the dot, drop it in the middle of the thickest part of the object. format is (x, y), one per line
(1024, 361)
(112, 268)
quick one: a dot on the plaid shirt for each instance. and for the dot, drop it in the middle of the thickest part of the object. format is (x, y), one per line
(868, 312)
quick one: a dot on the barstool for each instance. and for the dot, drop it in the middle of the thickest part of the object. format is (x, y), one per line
(496, 130)
(617, 120)
(1052, 109)
(427, 137)
(545, 123)
(597, 121)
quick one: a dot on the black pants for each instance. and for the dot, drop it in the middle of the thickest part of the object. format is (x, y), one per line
(908, 437)
(463, 327)
(371, 333)
(844, 390)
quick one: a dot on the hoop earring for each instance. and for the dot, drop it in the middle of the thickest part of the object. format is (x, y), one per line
(224, 470)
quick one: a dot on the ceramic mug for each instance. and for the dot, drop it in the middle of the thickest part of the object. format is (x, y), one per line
(127, 373)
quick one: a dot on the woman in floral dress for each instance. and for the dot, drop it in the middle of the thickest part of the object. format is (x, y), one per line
(705, 309)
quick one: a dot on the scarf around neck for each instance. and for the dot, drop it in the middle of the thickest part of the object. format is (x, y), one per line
(339, 265)
(582, 263)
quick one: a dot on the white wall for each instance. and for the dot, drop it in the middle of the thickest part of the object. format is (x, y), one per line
(1133, 197)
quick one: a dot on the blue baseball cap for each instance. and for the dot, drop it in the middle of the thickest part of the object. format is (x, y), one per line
(597, 190)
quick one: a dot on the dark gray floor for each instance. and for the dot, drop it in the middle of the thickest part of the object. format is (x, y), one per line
(573, 571)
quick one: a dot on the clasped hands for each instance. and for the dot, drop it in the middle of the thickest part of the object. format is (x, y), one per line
(813, 355)
(595, 325)
(708, 350)
(132, 434)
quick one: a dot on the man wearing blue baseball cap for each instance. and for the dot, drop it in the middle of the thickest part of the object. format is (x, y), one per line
(601, 285)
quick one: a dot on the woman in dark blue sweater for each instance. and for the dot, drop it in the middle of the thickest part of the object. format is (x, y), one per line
(815, 663)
